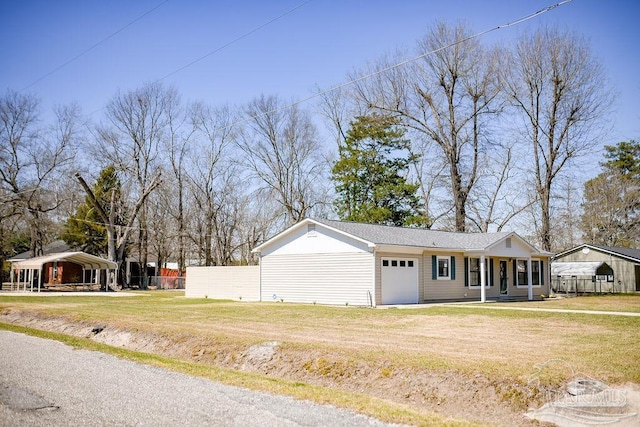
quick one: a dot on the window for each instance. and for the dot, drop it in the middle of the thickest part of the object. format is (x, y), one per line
(397, 263)
(474, 272)
(443, 268)
(522, 272)
(535, 273)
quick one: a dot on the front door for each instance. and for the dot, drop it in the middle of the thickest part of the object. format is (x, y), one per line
(504, 281)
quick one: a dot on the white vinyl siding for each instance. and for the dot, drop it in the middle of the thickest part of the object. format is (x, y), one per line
(327, 278)
(236, 283)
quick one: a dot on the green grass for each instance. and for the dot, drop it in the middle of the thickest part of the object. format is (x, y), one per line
(616, 302)
(378, 408)
(327, 342)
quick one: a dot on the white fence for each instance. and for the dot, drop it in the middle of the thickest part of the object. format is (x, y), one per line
(236, 283)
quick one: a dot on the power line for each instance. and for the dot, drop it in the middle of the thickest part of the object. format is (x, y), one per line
(224, 46)
(84, 52)
(237, 39)
(402, 63)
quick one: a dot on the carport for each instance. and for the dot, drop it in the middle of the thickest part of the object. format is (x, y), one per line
(569, 276)
(31, 270)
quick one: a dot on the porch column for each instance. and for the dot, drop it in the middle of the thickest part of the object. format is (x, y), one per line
(30, 276)
(483, 279)
(12, 275)
(529, 280)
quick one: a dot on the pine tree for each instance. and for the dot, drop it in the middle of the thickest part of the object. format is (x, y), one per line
(370, 175)
(84, 229)
(611, 208)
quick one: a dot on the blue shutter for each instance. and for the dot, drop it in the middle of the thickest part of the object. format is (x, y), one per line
(466, 271)
(453, 268)
(541, 272)
(515, 272)
(490, 261)
(434, 267)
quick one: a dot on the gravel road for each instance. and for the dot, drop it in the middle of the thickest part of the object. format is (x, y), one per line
(47, 383)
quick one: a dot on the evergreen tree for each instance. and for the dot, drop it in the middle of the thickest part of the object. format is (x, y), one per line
(611, 205)
(84, 229)
(370, 175)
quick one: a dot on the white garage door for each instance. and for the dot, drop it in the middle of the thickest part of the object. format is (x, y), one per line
(399, 281)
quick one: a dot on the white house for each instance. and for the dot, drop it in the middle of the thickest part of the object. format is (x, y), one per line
(334, 262)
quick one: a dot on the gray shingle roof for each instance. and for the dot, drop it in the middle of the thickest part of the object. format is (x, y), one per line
(627, 252)
(404, 236)
(56, 246)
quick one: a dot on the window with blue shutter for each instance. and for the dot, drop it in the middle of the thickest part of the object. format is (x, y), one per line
(490, 261)
(453, 268)
(466, 271)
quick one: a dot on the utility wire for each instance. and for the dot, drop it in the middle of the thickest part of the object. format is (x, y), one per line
(402, 63)
(237, 39)
(84, 52)
(224, 46)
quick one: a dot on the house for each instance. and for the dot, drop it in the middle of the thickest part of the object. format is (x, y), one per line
(594, 268)
(64, 268)
(54, 247)
(334, 262)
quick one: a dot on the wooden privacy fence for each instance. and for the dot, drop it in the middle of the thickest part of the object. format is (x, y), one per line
(228, 282)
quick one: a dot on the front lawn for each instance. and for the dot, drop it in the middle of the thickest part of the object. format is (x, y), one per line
(417, 360)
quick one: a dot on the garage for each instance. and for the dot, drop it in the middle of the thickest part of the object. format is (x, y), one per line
(399, 281)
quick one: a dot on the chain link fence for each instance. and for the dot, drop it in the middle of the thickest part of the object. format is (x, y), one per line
(575, 285)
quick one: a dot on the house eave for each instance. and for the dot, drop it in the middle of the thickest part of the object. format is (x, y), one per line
(303, 223)
(597, 249)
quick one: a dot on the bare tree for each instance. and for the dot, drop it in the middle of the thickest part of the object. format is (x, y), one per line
(113, 215)
(496, 199)
(181, 133)
(447, 98)
(32, 160)
(559, 90)
(283, 153)
(138, 125)
(208, 167)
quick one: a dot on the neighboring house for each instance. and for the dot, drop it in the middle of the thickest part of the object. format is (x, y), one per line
(65, 268)
(334, 262)
(54, 247)
(604, 269)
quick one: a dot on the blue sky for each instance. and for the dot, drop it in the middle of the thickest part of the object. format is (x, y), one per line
(315, 45)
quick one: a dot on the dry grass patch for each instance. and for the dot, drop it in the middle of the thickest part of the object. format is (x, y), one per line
(435, 359)
(612, 302)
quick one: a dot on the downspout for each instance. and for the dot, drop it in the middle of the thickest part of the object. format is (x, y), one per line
(259, 276)
(373, 275)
